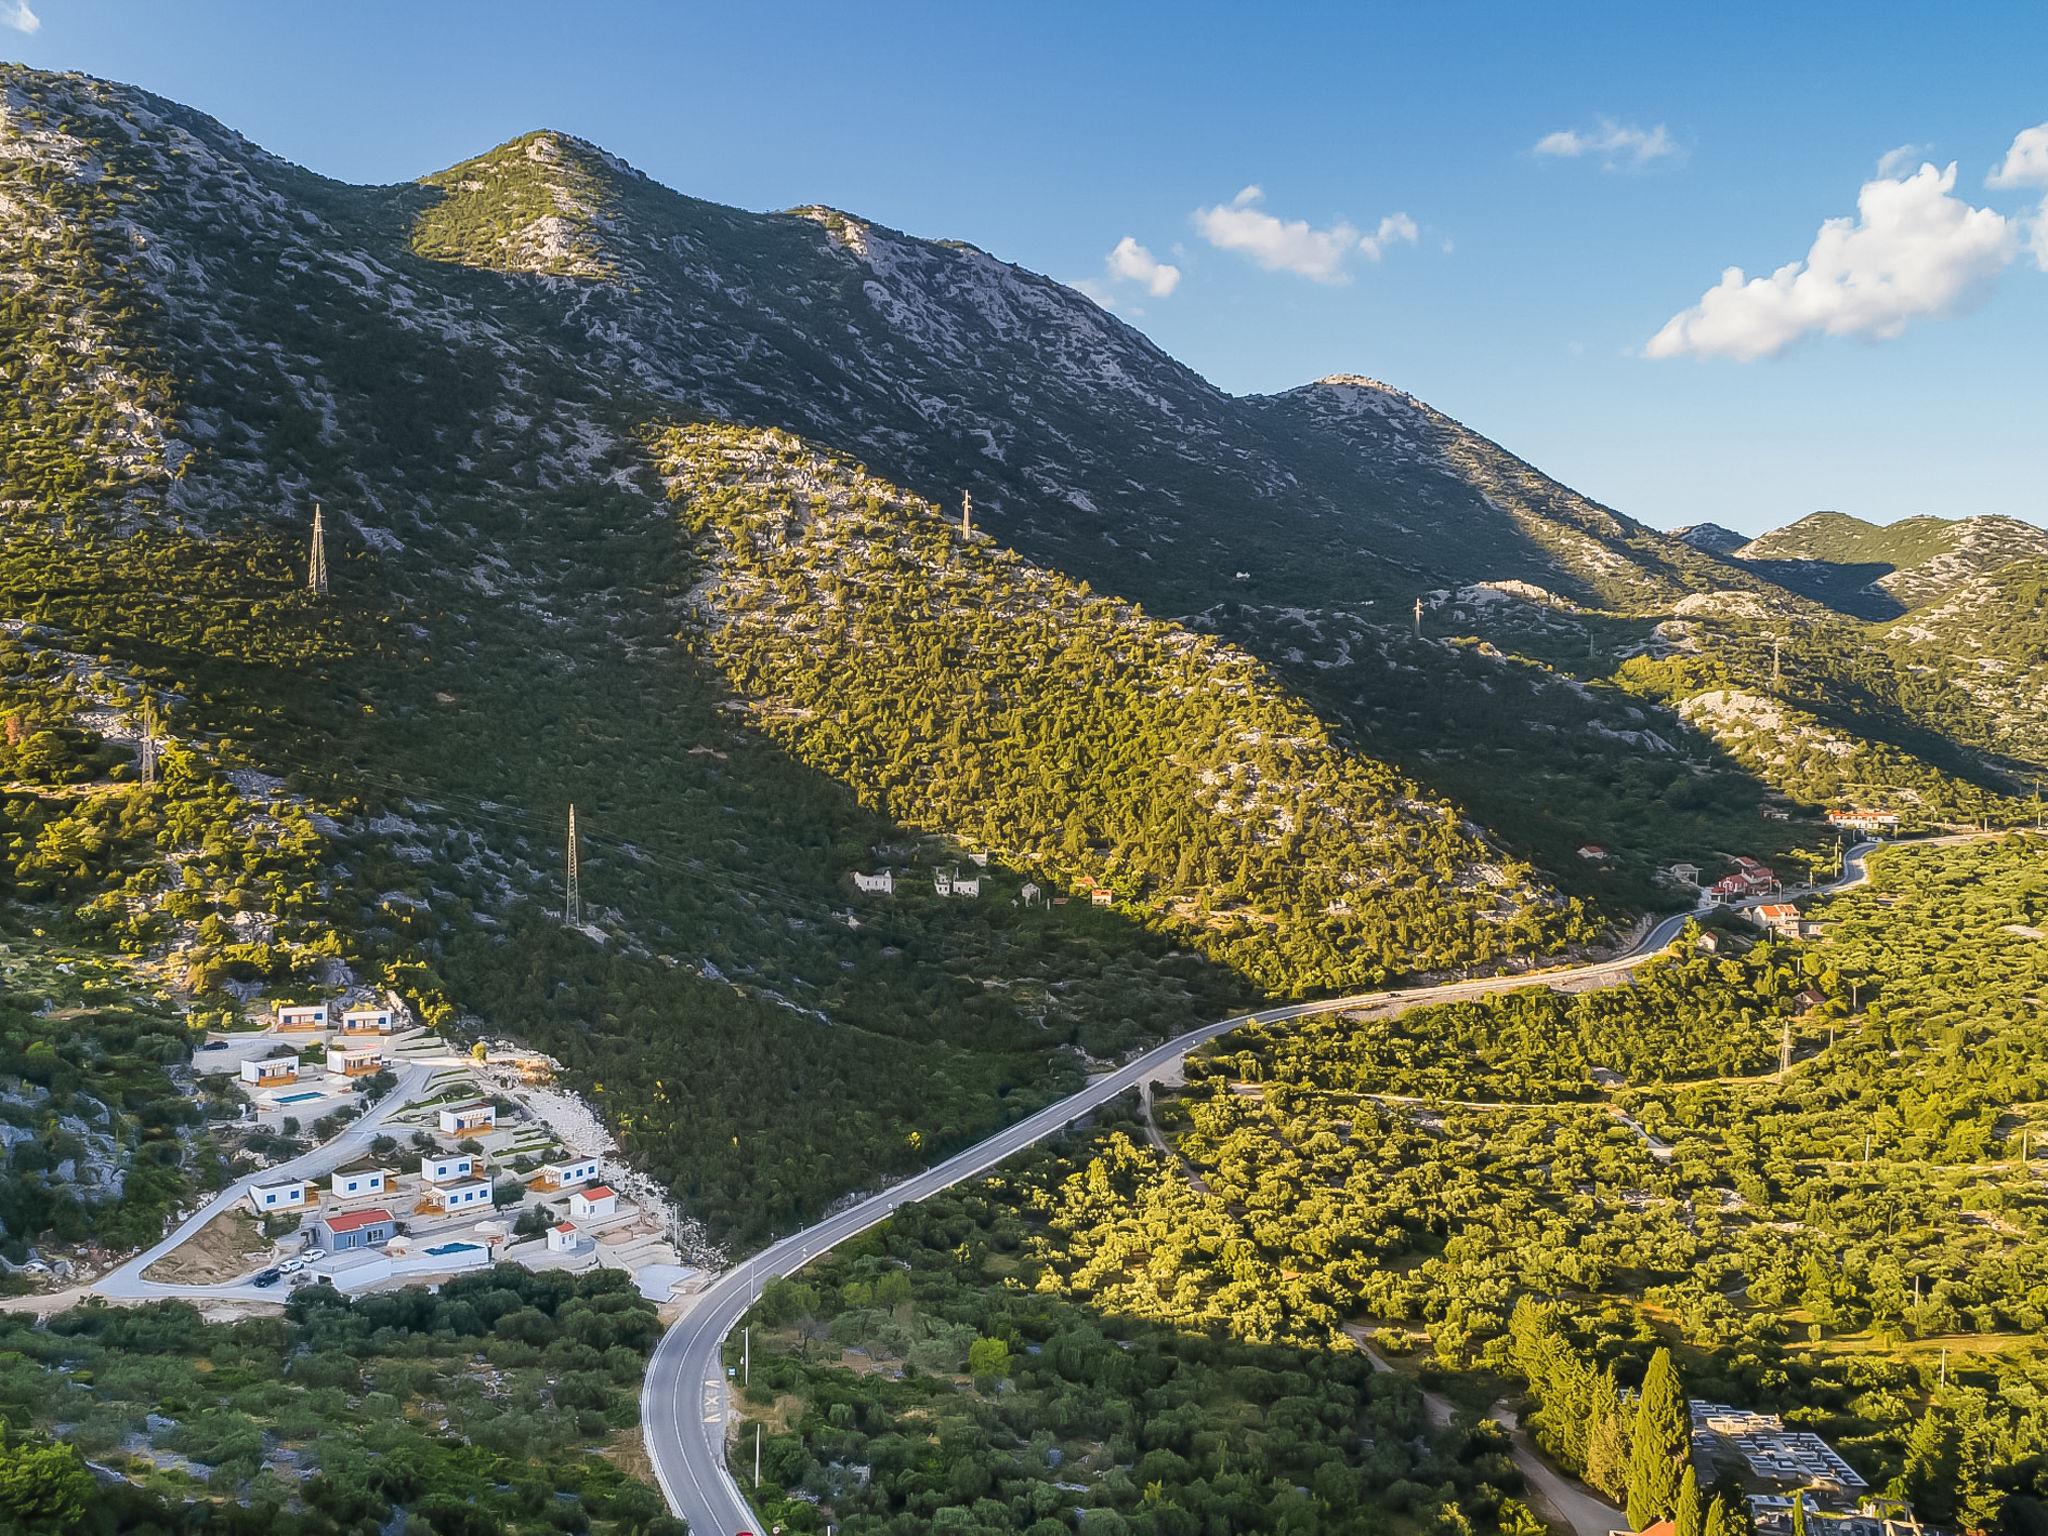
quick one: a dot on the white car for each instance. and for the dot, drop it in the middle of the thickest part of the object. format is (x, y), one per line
(313, 1253)
(292, 1266)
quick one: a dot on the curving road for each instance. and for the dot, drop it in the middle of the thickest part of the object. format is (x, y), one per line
(682, 1400)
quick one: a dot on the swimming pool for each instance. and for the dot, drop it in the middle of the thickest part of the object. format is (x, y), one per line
(447, 1248)
(298, 1098)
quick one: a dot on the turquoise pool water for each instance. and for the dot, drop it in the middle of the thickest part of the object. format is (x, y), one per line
(447, 1248)
(297, 1098)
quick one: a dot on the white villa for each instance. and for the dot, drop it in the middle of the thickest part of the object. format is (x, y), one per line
(459, 1197)
(447, 1170)
(579, 1170)
(367, 1181)
(301, 1016)
(953, 883)
(272, 1071)
(883, 884)
(593, 1203)
(366, 1020)
(287, 1195)
(469, 1117)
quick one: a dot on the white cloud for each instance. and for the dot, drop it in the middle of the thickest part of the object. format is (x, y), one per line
(1295, 245)
(1912, 250)
(2026, 162)
(1904, 158)
(16, 14)
(1395, 229)
(1131, 262)
(1614, 143)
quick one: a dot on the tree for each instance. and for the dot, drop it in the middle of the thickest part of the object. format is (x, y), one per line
(988, 1359)
(1658, 1447)
(1606, 1438)
(43, 1487)
(1689, 1518)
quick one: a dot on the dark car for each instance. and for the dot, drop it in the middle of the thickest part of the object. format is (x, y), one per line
(269, 1277)
(214, 1045)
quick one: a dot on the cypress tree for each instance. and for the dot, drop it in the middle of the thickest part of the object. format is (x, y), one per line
(1658, 1449)
(1689, 1518)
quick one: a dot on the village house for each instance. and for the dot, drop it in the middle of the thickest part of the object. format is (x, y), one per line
(1779, 917)
(366, 1020)
(364, 1181)
(1031, 894)
(285, 1195)
(1689, 873)
(272, 1071)
(571, 1171)
(465, 1118)
(952, 883)
(1594, 853)
(357, 1229)
(458, 1197)
(449, 1169)
(1865, 821)
(1101, 896)
(593, 1204)
(356, 1061)
(301, 1016)
(980, 858)
(883, 884)
(564, 1238)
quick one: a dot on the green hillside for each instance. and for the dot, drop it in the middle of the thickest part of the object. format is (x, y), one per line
(1877, 571)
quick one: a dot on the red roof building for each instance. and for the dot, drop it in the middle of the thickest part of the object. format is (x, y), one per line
(355, 1220)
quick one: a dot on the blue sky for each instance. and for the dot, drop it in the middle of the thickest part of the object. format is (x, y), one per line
(1519, 290)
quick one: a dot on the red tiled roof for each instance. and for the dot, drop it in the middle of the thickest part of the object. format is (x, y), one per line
(356, 1219)
(565, 1226)
(598, 1192)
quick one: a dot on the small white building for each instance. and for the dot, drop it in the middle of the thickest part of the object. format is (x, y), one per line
(1031, 894)
(450, 1169)
(285, 1195)
(460, 1197)
(368, 1020)
(1101, 896)
(356, 1061)
(593, 1204)
(469, 1117)
(1689, 873)
(569, 1172)
(564, 1238)
(365, 1181)
(950, 882)
(301, 1015)
(883, 884)
(272, 1071)
(979, 858)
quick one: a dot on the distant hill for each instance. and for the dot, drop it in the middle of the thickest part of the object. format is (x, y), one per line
(1711, 538)
(1878, 571)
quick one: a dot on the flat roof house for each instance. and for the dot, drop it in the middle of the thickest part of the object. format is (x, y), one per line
(301, 1015)
(449, 1169)
(285, 1195)
(593, 1203)
(272, 1071)
(459, 1197)
(367, 1021)
(355, 1229)
(578, 1170)
(356, 1061)
(469, 1117)
(353, 1186)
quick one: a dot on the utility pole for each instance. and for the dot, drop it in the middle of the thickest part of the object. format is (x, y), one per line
(1418, 618)
(966, 513)
(747, 1356)
(572, 894)
(757, 1439)
(316, 567)
(1866, 1146)
(148, 748)
(1785, 1051)
(1777, 670)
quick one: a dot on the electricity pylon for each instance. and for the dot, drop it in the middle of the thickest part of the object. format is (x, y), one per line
(966, 513)
(572, 893)
(147, 752)
(316, 567)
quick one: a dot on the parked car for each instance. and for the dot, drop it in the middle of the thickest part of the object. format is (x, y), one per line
(313, 1253)
(269, 1277)
(214, 1045)
(291, 1266)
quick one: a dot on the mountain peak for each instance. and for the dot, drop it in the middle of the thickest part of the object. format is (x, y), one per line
(538, 204)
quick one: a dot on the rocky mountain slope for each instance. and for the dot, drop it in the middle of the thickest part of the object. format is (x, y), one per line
(1194, 609)
(1881, 570)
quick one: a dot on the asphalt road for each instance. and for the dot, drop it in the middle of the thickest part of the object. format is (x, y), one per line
(682, 1400)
